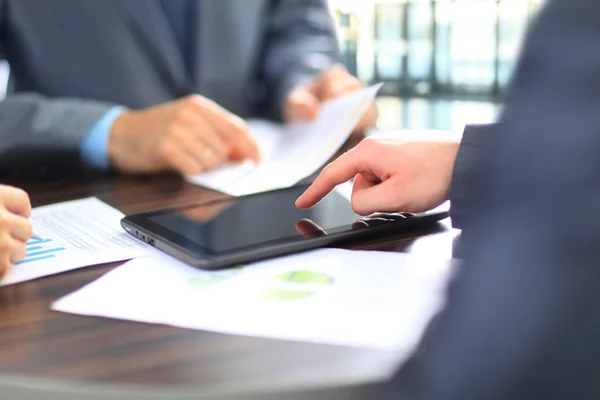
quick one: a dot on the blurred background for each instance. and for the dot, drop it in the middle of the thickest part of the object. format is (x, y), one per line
(444, 63)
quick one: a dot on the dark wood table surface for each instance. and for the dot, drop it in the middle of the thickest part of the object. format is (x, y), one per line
(38, 342)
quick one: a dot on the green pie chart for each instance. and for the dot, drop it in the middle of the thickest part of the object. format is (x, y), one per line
(204, 281)
(294, 285)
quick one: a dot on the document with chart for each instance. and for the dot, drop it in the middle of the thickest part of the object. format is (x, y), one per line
(341, 297)
(72, 235)
(291, 152)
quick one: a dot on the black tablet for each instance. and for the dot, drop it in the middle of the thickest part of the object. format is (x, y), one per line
(227, 232)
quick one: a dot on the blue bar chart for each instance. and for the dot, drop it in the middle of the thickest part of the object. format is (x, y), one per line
(40, 249)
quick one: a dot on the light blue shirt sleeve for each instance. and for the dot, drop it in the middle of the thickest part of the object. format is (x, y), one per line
(94, 147)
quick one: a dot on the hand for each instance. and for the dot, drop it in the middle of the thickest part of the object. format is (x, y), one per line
(15, 228)
(304, 102)
(391, 176)
(189, 136)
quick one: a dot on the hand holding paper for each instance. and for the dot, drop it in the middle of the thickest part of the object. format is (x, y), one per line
(291, 152)
(305, 102)
(72, 235)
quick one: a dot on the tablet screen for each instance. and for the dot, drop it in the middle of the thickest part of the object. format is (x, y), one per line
(229, 225)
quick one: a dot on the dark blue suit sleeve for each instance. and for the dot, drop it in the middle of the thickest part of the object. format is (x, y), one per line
(469, 171)
(522, 318)
(300, 42)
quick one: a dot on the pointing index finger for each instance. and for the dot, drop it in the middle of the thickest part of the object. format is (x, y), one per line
(346, 167)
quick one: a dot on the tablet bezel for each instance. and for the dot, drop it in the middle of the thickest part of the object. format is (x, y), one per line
(141, 226)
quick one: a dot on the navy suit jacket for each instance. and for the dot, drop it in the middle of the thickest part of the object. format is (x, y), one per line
(73, 60)
(522, 318)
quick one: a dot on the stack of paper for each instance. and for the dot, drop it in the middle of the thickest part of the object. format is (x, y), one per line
(354, 298)
(291, 152)
(74, 234)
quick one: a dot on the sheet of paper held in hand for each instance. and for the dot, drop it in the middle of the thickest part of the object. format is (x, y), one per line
(291, 152)
(362, 299)
(74, 234)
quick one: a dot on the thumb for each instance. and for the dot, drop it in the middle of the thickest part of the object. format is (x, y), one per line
(370, 195)
(300, 105)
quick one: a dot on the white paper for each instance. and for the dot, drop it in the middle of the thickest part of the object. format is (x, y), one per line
(74, 234)
(291, 152)
(355, 298)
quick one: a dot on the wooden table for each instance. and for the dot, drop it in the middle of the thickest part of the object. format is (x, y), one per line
(38, 342)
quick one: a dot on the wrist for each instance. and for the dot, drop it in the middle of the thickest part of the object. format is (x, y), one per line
(451, 149)
(118, 142)
(94, 146)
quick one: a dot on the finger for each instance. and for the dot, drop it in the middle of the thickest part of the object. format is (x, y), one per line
(301, 105)
(340, 86)
(197, 148)
(318, 83)
(373, 198)
(18, 251)
(179, 159)
(231, 127)
(365, 179)
(211, 155)
(346, 167)
(205, 135)
(20, 227)
(362, 183)
(309, 229)
(335, 82)
(15, 200)
(244, 147)
(186, 165)
(5, 264)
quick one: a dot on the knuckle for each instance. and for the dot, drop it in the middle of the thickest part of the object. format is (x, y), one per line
(339, 89)
(19, 253)
(22, 195)
(179, 118)
(221, 148)
(167, 149)
(368, 142)
(369, 145)
(176, 134)
(328, 171)
(192, 169)
(356, 207)
(239, 123)
(190, 100)
(4, 217)
(213, 162)
(29, 229)
(235, 128)
(28, 209)
(4, 243)
(338, 68)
